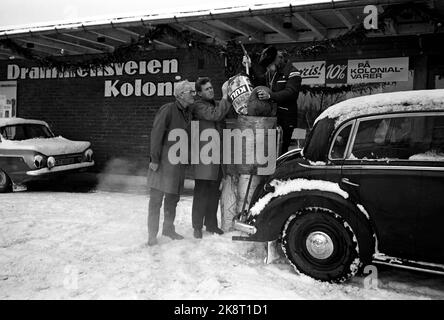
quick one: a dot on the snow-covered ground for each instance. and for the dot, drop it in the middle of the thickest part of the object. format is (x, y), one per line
(92, 245)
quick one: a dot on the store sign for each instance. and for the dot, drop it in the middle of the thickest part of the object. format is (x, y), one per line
(112, 87)
(336, 72)
(312, 72)
(378, 70)
(353, 71)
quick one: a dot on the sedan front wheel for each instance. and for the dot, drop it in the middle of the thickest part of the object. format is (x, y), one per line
(321, 244)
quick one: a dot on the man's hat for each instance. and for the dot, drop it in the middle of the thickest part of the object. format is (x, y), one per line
(268, 56)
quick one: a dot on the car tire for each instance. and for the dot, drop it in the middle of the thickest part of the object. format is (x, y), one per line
(5, 182)
(321, 244)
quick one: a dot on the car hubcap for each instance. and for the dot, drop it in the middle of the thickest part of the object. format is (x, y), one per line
(319, 245)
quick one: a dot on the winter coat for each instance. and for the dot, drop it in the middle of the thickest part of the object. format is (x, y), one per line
(168, 177)
(285, 86)
(210, 116)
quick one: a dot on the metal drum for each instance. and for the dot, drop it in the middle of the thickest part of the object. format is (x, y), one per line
(239, 90)
(246, 124)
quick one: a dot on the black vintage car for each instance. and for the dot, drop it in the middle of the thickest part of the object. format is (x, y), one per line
(367, 188)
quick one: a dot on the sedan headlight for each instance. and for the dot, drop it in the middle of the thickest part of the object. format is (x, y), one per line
(51, 162)
(39, 161)
(88, 155)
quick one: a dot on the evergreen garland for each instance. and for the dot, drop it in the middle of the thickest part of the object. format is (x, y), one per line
(121, 53)
(232, 52)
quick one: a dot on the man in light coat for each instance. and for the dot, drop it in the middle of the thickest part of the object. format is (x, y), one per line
(207, 177)
(165, 179)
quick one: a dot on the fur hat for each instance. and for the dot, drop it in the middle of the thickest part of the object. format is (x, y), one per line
(268, 55)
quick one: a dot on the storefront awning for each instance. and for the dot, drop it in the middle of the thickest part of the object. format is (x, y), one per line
(283, 22)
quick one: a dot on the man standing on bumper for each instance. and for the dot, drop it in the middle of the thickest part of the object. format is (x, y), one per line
(207, 177)
(165, 179)
(284, 80)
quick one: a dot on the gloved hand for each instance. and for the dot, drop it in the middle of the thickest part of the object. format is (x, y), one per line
(246, 61)
(154, 166)
(263, 95)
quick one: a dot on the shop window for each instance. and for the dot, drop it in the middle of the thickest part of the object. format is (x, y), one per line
(8, 99)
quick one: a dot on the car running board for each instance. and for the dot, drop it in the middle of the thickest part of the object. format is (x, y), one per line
(408, 264)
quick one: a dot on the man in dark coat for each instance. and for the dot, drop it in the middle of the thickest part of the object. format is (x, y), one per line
(284, 80)
(164, 178)
(207, 177)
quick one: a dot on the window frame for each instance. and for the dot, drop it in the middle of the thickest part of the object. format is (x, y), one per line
(351, 122)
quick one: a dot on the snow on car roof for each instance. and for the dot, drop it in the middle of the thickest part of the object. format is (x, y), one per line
(14, 121)
(402, 101)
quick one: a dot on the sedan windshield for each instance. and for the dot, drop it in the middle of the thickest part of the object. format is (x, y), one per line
(317, 143)
(25, 131)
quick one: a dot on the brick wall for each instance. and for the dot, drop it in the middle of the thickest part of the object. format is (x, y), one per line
(118, 127)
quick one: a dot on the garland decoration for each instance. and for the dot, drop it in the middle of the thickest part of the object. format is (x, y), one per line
(121, 53)
(342, 89)
(232, 52)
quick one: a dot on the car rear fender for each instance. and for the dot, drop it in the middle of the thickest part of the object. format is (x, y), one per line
(270, 222)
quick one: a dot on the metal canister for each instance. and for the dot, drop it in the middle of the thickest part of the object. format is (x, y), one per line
(239, 90)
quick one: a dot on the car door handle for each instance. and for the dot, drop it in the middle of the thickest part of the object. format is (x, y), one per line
(346, 181)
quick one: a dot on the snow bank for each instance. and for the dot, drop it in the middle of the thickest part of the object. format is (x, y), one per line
(287, 186)
(361, 207)
(417, 100)
(58, 245)
(317, 163)
(47, 146)
(432, 155)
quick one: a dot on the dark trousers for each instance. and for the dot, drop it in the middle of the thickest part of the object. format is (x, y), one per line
(286, 137)
(288, 122)
(205, 203)
(169, 210)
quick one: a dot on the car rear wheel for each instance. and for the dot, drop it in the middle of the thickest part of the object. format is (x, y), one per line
(321, 244)
(5, 182)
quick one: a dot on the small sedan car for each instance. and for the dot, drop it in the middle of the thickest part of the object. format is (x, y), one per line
(368, 187)
(30, 151)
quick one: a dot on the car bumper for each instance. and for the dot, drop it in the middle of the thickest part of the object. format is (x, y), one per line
(244, 227)
(65, 168)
